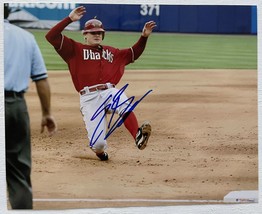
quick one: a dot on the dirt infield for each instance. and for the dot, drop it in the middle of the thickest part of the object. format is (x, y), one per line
(204, 142)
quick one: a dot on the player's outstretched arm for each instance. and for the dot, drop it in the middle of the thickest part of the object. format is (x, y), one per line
(148, 28)
(54, 35)
(139, 47)
(77, 13)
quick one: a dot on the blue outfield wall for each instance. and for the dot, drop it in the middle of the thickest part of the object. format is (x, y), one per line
(170, 18)
(176, 18)
(254, 20)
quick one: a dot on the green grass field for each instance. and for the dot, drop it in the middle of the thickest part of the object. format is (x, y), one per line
(171, 51)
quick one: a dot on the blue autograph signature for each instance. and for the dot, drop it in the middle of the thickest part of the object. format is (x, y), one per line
(112, 107)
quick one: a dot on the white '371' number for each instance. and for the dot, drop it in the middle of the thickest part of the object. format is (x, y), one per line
(149, 9)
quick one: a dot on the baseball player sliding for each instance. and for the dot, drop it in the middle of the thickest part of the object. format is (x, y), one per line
(95, 70)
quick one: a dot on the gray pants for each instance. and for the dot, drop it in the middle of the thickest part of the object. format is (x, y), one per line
(18, 152)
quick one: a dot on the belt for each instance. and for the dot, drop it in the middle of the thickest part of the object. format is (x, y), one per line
(14, 94)
(96, 88)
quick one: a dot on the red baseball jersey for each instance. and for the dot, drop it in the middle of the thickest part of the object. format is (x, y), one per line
(91, 65)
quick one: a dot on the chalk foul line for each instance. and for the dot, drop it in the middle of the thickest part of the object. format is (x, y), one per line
(124, 200)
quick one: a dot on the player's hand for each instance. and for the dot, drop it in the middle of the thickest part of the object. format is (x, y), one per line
(50, 124)
(148, 28)
(77, 13)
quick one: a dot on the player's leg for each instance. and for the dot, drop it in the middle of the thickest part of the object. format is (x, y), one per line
(140, 134)
(95, 124)
(131, 124)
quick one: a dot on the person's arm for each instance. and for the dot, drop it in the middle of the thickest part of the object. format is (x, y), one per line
(43, 91)
(54, 36)
(138, 48)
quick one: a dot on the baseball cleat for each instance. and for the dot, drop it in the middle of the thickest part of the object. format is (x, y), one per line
(103, 156)
(143, 135)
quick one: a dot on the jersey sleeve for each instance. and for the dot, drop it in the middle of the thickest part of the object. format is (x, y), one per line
(129, 55)
(66, 49)
(38, 68)
(138, 48)
(63, 45)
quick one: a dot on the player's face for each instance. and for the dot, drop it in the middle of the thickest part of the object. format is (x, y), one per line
(93, 38)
